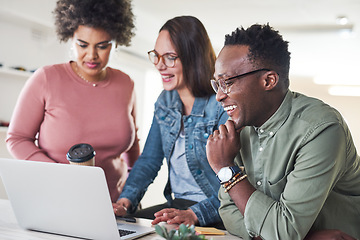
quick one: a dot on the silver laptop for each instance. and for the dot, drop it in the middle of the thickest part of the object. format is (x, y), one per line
(64, 199)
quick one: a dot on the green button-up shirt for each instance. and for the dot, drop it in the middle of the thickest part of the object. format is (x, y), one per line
(304, 165)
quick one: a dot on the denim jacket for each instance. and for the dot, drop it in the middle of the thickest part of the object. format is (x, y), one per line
(206, 116)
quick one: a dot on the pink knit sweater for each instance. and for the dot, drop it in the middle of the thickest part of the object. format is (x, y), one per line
(57, 109)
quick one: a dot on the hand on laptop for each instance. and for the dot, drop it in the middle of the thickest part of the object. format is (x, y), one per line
(175, 216)
(121, 206)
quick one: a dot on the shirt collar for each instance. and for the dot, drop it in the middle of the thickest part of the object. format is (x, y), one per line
(198, 108)
(273, 124)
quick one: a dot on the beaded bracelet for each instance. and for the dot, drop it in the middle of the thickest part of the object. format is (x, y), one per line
(228, 187)
(242, 171)
(231, 180)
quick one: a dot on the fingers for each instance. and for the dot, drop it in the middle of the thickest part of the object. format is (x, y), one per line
(164, 215)
(120, 210)
(156, 221)
(165, 210)
(174, 216)
(224, 129)
(121, 206)
(230, 126)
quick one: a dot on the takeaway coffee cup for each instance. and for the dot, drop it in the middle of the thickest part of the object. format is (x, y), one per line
(81, 154)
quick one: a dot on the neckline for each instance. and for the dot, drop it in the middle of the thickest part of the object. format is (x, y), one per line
(79, 79)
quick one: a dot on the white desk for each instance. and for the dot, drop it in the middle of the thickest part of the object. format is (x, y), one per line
(9, 228)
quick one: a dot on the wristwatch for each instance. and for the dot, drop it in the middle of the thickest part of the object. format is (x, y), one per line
(227, 173)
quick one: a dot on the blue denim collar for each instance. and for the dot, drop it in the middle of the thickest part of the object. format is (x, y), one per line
(198, 108)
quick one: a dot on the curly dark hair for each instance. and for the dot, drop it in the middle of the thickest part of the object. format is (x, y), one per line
(195, 51)
(267, 49)
(113, 16)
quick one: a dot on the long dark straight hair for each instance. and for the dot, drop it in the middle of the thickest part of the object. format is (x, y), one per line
(195, 51)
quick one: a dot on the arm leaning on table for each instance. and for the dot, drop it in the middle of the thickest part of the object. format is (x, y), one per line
(303, 196)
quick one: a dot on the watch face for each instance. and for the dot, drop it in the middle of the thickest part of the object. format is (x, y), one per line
(225, 174)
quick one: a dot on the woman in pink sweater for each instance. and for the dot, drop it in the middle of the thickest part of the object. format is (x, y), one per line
(82, 101)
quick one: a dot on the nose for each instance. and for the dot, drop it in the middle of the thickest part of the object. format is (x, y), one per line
(160, 65)
(220, 95)
(93, 53)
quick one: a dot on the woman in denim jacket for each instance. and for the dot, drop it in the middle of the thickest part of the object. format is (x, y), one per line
(186, 113)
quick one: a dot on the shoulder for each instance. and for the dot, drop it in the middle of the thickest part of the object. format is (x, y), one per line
(48, 69)
(168, 98)
(53, 72)
(118, 74)
(312, 117)
(121, 79)
(55, 67)
(313, 110)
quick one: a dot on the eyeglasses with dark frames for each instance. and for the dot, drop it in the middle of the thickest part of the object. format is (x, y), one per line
(167, 58)
(225, 86)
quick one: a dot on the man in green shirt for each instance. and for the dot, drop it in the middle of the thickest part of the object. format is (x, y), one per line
(301, 175)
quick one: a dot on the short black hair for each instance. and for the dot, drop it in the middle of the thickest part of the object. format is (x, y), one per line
(267, 48)
(195, 51)
(113, 16)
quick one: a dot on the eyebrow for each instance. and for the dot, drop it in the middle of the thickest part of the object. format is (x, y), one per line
(221, 75)
(174, 53)
(82, 41)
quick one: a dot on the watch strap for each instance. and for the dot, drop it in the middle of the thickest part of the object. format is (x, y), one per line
(236, 171)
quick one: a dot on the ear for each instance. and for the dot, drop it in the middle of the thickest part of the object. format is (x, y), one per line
(271, 80)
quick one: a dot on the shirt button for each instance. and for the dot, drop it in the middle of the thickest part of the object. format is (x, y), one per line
(198, 172)
(261, 130)
(258, 183)
(191, 146)
(261, 149)
(271, 133)
(189, 120)
(206, 135)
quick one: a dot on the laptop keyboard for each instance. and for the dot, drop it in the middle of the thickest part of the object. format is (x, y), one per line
(123, 232)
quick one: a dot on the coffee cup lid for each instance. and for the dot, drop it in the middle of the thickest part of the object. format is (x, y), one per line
(81, 152)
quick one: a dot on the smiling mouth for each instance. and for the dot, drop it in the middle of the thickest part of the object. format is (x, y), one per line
(167, 77)
(230, 108)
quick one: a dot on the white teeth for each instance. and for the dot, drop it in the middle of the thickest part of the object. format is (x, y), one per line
(228, 108)
(166, 77)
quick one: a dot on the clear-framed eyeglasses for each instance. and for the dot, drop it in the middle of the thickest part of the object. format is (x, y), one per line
(225, 85)
(167, 58)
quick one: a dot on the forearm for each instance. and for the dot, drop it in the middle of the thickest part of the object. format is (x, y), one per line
(240, 194)
(232, 218)
(207, 211)
(25, 148)
(146, 167)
